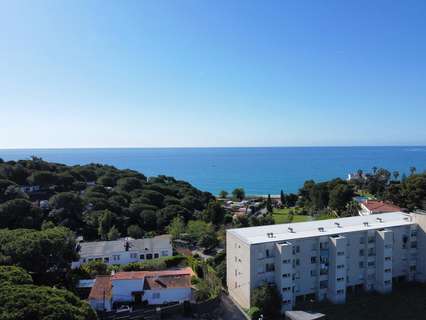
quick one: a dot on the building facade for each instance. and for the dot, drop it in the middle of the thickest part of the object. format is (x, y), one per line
(124, 251)
(141, 287)
(326, 259)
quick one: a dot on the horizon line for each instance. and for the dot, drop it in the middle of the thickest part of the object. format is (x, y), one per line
(216, 147)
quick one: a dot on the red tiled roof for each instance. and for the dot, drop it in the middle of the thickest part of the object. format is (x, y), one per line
(102, 288)
(131, 275)
(164, 282)
(380, 206)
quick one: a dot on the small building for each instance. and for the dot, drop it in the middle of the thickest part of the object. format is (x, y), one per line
(374, 207)
(125, 250)
(141, 287)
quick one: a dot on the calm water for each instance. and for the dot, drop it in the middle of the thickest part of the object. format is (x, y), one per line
(257, 170)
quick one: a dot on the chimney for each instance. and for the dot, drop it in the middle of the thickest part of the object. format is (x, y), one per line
(126, 245)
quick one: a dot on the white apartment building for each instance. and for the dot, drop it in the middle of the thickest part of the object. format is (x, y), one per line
(125, 250)
(326, 259)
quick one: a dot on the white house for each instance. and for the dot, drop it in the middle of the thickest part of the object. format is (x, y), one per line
(368, 207)
(141, 287)
(125, 250)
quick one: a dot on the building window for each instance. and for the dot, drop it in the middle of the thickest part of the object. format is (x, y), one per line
(164, 253)
(286, 275)
(361, 252)
(106, 259)
(387, 282)
(388, 258)
(413, 244)
(286, 301)
(296, 262)
(361, 264)
(313, 273)
(133, 255)
(388, 270)
(313, 260)
(116, 257)
(371, 252)
(156, 295)
(413, 233)
(340, 266)
(340, 253)
(84, 260)
(371, 264)
(340, 292)
(270, 267)
(156, 255)
(286, 261)
(361, 240)
(324, 284)
(149, 256)
(286, 289)
(236, 273)
(142, 257)
(412, 268)
(340, 279)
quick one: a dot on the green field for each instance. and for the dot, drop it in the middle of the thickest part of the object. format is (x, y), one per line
(283, 216)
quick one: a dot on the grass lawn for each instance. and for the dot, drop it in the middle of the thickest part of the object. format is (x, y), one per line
(282, 216)
(405, 302)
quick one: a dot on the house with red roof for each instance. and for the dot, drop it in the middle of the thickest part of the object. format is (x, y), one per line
(375, 206)
(141, 287)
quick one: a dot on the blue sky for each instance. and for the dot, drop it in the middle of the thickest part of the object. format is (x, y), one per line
(212, 73)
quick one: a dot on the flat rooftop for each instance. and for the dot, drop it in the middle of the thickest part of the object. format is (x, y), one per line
(290, 231)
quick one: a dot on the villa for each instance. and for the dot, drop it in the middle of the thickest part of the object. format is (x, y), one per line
(125, 250)
(141, 288)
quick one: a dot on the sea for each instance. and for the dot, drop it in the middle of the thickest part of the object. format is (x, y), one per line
(259, 171)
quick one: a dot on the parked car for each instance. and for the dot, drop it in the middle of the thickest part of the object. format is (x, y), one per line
(123, 309)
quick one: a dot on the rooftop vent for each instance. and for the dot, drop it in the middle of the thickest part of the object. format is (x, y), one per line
(321, 229)
(270, 235)
(379, 219)
(290, 230)
(365, 224)
(337, 224)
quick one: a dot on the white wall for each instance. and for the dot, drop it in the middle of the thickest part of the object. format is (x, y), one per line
(167, 295)
(122, 289)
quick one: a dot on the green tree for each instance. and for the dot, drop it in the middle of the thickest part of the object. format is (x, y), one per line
(48, 252)
(176, 228)
(269, 204)
(20, 213)
(282, 198)
(268, 300)
(94, 268)
(413, 170)
(238, 194)
(214, 213)
(43, 179)
(105, 224)
(340, 196)
(129, 184)
(196, 228)
(113, 233)
(14, 275)
(67, 209)
(223, 194)
(42, 303)
(134, 231)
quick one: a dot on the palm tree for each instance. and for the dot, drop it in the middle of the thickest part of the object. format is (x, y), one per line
(413, 170)
(396, 175)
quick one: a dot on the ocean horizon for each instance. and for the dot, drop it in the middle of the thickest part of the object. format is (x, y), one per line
(259, 170)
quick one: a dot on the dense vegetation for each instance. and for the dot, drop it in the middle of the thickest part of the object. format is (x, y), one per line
(44, 206)
(96, 201)
(20, 299)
